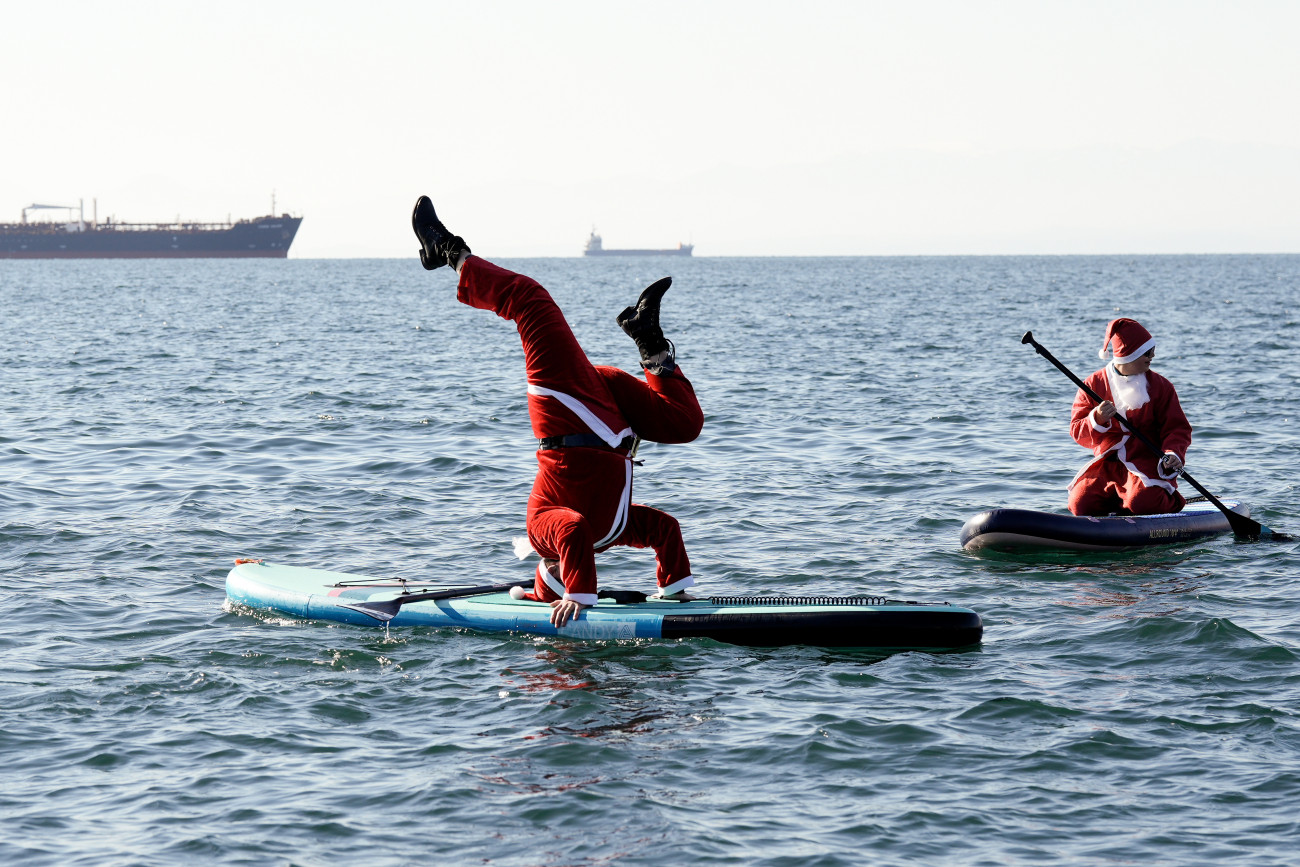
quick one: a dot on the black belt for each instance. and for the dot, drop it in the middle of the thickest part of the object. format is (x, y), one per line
(582, 441)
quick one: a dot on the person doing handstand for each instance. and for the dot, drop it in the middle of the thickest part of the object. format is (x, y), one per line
(587, 419)
(1124, 476)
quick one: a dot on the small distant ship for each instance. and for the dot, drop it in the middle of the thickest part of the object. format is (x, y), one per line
(596, 248)
(259, 237)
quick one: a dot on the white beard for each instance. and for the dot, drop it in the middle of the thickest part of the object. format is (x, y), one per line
(1127, 392)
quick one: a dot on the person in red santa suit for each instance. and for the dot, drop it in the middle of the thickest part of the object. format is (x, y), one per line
(1124, 476)
(587, 419)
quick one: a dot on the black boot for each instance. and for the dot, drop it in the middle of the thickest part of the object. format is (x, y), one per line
(438, 246)
(641, 323)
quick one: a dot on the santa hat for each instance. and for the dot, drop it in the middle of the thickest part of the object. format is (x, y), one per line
(1127, 339)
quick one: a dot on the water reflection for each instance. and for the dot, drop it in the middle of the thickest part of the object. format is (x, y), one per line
(1162, 597)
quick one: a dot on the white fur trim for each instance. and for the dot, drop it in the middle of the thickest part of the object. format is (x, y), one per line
(583, 598)
(1095, 427)
(589, 418)
(517, 592)
(1135, 354)
(677, 586)
(523, 547)
(1083, 469)
(1163, 474)
(1122, 450)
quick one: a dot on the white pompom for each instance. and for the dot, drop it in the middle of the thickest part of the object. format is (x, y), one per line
(517, 592)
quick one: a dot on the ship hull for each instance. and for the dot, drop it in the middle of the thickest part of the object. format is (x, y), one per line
(144, 254)
(264, 238)
(684, 251)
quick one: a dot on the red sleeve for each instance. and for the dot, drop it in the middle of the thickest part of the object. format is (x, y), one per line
(1081, 422)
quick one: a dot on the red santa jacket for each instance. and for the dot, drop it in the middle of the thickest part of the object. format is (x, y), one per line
(1160, 418)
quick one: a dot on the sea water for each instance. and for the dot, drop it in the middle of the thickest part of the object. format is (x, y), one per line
(160, 418)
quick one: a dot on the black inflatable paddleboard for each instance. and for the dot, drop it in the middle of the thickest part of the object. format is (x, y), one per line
(1022, 529)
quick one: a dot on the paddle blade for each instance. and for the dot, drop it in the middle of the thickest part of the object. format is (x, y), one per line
(1246, 528)
(381, 611)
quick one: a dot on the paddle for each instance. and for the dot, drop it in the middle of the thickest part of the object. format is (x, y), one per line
(386, 609)
(1242, 526)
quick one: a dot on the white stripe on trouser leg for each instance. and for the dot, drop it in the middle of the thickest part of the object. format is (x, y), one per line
(553, 584)
(556, 587)
(620, 517)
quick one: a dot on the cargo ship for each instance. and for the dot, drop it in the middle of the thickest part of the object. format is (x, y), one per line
(260, 237)
(595, 247)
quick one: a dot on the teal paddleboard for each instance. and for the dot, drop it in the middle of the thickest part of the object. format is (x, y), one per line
(758, 621)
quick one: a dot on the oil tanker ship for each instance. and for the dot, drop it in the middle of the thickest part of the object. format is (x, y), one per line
(261, 237)
(595, 247)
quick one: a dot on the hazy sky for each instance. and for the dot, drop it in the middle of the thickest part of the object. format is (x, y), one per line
(749, 128)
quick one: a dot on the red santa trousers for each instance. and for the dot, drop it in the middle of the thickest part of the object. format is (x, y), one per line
(1110, 488)
(581, 497)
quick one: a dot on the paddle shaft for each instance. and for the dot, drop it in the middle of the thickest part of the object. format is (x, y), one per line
(386, 609)
(1241, 525)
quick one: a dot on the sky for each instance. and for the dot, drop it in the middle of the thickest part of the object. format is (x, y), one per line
(746, 128)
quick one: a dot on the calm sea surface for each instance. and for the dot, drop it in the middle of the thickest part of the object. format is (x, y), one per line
(158, 419)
